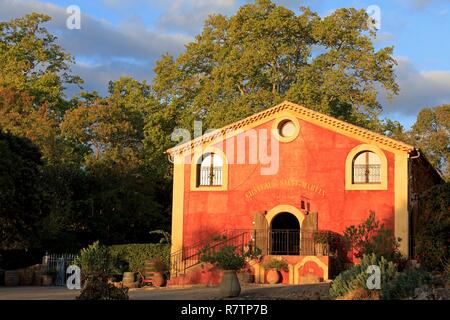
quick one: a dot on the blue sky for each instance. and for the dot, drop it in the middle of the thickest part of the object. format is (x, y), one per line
(127, 37)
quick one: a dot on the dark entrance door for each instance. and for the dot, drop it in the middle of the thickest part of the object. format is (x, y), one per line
(285, 235)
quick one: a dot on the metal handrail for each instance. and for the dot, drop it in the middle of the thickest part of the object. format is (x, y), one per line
(188, 261)
(276, 242)
(199, 243)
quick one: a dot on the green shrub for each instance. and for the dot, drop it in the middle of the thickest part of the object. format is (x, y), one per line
(135, 254)
(95, 260)
(101, 289)
(276, 264)
(371, 237)
(432, 244)
(226, 258)
(356, 277)
(405, 283)
(96, 265)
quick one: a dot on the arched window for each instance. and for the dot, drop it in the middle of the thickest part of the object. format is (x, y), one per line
(366, 168)
(209, 170)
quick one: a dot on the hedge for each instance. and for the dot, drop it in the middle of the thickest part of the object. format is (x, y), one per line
(136, 254)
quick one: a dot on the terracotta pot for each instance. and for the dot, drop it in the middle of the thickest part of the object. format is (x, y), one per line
(159, 279)
(273, 276)
(230, 287)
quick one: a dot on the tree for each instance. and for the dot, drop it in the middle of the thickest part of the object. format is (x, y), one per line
(20, 115)
(266, 53)
(31, 61)
(431, 133)
(432, 243)
(125, 195)
(67, 203)
(34, 72)
(101, 175)
(20, 193)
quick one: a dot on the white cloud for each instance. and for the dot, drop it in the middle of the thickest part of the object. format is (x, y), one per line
(422, 4)
(97, 76)
(97, 37)
(418, 89)
(189, 15)
(129, 49)
(384, 37)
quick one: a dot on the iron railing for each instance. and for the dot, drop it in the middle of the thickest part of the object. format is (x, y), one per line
(190, 256)
(210, 177)
(285, 242)
(366, 173)
(268, 242)
(58, 263)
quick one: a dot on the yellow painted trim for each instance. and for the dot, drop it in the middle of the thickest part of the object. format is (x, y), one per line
(349, 185)
(401, 202)
(193, 178)
(291, 274)
(281, 117)
(285, 208)
(256, 267)
(178, 204)
(300, 112)
(306, 259)
(259, 271)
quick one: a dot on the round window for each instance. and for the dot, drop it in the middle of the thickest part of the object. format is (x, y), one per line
(286, 128)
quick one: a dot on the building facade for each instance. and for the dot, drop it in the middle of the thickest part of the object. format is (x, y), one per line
(279, 177)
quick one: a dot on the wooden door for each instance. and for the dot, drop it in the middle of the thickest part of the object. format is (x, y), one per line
(261, 231)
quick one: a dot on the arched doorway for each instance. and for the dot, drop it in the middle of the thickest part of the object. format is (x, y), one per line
(285, 234)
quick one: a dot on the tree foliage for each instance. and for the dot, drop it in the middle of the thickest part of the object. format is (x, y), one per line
(371, 237)
(431, 133)
(20, 165)
(93, 167)
(32, 61)
(96, 265)
(433, 228)
(264, 53)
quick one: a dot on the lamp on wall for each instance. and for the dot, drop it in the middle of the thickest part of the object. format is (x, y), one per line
(305, 206)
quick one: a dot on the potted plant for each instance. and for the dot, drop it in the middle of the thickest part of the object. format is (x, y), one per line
(229, 260)
(48, 277)
(97, 265)
(274, 267)
(157, 269)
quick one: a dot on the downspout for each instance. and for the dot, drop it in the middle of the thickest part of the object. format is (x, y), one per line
(411, 196)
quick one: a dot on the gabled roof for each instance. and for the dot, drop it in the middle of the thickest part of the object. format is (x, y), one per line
(303, 113)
